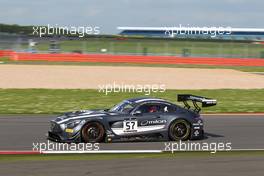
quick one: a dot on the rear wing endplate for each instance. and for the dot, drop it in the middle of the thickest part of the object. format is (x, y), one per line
(206, 102)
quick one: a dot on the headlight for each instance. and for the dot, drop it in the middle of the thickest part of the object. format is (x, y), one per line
(73, 124)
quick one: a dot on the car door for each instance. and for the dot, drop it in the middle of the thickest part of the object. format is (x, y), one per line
(145, 118)
(149, 118)
(123, 124)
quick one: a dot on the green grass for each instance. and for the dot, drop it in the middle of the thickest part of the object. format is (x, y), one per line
(55, 157)
(55, 101)
(153, 46)
(157, 46)
(4, 59)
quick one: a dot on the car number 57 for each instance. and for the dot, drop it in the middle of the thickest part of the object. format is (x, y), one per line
(130, 125)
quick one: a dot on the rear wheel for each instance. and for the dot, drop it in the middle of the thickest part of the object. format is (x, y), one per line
(179, 130)
(93, 132)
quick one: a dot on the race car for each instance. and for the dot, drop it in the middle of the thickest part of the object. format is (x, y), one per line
(133, 119)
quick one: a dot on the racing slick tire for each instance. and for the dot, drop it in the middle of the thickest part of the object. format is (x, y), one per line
(179, 129)
(93, 132)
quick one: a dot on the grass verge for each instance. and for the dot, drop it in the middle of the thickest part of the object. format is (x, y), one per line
(56, 101)
(55, 157)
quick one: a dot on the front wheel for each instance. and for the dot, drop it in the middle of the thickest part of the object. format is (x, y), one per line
(93, 132)
(179, 130)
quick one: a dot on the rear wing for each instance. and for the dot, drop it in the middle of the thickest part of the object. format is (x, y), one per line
(206, 102)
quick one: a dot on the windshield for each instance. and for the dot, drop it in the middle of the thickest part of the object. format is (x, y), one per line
(124, 106)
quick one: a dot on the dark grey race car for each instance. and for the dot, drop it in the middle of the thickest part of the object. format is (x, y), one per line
(133, 119)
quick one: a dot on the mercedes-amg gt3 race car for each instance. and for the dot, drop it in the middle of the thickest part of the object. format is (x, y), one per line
(133, 119)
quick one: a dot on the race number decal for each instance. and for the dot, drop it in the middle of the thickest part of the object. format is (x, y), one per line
(130, 126)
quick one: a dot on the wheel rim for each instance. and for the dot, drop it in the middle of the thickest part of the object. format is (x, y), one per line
(180, 130)
(93, 132)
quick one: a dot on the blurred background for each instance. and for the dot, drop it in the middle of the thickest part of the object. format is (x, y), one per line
(18, 18)
(135, 45)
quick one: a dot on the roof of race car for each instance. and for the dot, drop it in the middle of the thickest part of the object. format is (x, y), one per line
(145, 99)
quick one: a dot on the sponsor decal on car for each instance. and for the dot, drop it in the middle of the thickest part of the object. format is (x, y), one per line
(152, 122)
(68, 130)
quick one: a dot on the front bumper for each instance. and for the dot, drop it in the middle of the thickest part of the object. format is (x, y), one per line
(63, 138)
(59, 134)
(53, 137)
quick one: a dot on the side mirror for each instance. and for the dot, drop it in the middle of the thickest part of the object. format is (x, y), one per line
(137, 113)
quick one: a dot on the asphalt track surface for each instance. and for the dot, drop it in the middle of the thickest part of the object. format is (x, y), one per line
(243, 131)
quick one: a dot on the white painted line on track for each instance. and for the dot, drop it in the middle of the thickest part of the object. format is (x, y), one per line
(234, 114)
(103, 151)
(20, 152)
